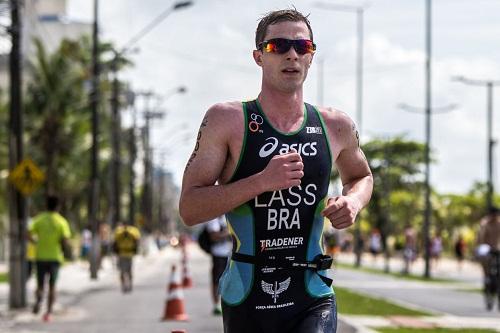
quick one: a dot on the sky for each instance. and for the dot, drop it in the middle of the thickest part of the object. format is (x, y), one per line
(207, 48)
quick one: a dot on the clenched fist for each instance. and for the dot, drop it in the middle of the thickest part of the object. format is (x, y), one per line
(283, 171)
(342, 211)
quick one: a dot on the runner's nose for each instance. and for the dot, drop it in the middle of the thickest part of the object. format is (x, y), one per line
(292, 54)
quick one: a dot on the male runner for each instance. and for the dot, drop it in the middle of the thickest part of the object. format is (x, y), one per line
(266, 165)
(49, 230)
(126, 245)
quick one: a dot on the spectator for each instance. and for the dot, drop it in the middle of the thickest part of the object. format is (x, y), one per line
(436, 248)
(220, 252)
(460, 248)
(375, 243)
(85, 243)
(410, 248)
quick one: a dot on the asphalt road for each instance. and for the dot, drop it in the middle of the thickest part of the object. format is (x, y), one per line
(104, 309)
(440, 298)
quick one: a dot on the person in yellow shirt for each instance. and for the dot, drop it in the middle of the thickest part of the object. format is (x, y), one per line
(50, 232)
(30, 256)
(126, 245)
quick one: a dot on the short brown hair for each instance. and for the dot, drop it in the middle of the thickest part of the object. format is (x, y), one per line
(278, 16)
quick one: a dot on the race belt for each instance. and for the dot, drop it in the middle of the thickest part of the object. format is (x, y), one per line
(319, 263)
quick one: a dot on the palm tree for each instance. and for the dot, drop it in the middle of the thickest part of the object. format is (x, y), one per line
(56, 107)
(58, 120)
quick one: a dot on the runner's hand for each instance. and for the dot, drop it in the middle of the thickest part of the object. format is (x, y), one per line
(341, 211)
(283, 171)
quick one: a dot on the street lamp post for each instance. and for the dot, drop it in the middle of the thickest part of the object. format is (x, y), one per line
(427, 195)
(489, 84)
(428, 105)
(94, 180)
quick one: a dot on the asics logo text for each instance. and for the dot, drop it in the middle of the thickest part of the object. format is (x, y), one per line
(304, 149)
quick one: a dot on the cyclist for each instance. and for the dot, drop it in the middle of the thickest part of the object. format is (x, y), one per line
(487, 252)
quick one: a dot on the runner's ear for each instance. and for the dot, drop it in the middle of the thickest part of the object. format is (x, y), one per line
(311, 61)
(257, 56)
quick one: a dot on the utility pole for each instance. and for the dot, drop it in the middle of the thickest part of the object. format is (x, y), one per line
(132, 156)
(115, 135)
(489, 84)
(17, 205)
(116, 123)
(147, 195)
(161, 194)
(94, 180)
(147, 212)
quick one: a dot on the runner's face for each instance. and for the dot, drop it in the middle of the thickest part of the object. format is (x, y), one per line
(285, 72)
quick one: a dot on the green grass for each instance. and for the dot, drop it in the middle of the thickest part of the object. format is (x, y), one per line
(398, 275)
(4, 277)
(352, 303)
(434, 330)
(472, 290)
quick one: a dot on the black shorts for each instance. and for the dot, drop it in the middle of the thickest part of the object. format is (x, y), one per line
(218, 267)
(319, 318)
(50, 268)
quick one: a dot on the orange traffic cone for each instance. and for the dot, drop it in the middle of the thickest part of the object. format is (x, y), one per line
(174, 304)
(187, 281)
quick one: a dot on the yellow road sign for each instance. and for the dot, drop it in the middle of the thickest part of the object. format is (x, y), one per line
(26, 177)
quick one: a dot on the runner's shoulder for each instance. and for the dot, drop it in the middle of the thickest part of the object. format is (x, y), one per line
(226, 111)
(338, 123)
(225, 117)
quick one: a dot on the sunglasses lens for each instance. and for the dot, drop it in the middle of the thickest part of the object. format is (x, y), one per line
(303, 46)
(282, 45)
(277, 45)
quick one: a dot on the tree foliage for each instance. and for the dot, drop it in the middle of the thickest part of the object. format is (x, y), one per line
(397, 165)
(58, 125)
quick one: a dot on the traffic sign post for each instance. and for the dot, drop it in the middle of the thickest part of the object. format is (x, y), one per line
(26, 177)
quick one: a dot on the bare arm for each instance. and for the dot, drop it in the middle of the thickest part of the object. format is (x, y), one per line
(201, 198)
(357, 179)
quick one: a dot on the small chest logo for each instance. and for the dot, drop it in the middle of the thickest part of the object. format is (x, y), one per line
(314, 130)
(254, 125)
(275, 289)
